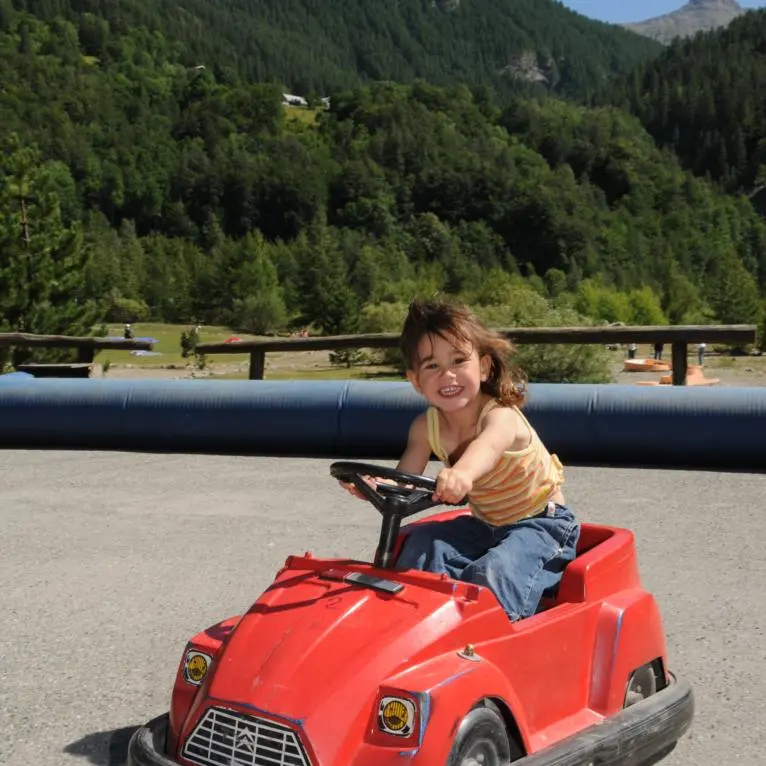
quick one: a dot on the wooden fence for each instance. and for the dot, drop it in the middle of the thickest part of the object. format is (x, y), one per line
(87, 347)
(679, 337)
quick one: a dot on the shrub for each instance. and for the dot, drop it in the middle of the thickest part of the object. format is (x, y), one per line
(259, 314)
(544, 363)
(126, 310)
(382, 318)
(189, 341)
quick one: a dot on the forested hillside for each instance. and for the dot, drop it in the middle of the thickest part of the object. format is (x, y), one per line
(318, 48)
(704, 99)
(179, 197)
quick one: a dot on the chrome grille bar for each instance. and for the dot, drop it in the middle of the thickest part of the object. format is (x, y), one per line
(230, 738)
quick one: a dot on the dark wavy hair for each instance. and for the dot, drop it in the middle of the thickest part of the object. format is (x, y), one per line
(457, 324)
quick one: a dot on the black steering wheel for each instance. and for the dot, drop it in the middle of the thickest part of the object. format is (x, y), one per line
(412, 494)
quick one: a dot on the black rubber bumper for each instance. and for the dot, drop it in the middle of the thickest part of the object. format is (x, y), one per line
(635, 736)
(147, 745)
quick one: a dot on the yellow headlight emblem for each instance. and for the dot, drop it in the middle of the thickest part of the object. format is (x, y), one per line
(196, 665)
(396, 716)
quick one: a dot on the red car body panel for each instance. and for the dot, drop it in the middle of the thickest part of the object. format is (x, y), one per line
(316, 653)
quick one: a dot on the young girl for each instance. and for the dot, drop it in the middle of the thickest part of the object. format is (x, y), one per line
(520, 534)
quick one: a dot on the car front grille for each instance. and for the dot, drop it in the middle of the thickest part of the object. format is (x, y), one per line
(229, 738)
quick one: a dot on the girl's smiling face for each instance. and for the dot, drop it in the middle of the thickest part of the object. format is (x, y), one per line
(449, 373)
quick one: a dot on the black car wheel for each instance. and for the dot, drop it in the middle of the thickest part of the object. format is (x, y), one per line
(642, 684)
(481, 740)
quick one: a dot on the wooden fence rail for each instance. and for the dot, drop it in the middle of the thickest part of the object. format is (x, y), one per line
(86, 346)
(86, 352)
(679, 336)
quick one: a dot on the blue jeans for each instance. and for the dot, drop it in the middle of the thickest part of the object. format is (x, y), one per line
(518, 562)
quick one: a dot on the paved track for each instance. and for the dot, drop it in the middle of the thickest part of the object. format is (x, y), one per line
(110, 561)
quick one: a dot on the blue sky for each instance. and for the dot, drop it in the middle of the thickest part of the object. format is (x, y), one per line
(618, 11)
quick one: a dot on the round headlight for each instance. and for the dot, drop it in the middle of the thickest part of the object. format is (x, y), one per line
(196, 665)
(396, 716)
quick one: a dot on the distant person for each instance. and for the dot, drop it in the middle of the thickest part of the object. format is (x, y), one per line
(658, 349)
(128, 333)
(632, 348)
(701, 353)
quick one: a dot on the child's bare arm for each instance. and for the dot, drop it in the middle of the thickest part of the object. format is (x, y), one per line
(481, 455)
(497, 436)
(418, 451)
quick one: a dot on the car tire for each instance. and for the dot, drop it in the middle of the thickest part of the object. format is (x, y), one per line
(481, 740)
(641, 685)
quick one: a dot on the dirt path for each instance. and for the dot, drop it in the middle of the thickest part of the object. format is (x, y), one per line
(743, 371)
(306, 361)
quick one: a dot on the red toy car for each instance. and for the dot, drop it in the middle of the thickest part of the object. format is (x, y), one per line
(343, 663)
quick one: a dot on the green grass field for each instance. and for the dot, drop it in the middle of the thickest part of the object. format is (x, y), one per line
(168, 345)
(301, 114)
(279, 365)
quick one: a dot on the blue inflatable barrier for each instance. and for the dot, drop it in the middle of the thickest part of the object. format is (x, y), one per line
(15, 377)
(668, 426)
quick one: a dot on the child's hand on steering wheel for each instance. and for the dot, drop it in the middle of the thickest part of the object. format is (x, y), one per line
(351, 488)
(452, 485)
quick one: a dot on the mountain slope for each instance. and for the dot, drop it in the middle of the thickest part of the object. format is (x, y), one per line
(703, 98)
(323, 47)
(695, 16)
(202, 199)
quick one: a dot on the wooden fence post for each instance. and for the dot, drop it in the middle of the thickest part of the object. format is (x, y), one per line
(680, 363)
(257, 364)
(85, 354)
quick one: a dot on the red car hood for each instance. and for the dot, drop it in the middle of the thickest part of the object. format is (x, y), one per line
(312, 646)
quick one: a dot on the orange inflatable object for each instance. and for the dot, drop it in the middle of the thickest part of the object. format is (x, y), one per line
(646, 365)
(695, 376)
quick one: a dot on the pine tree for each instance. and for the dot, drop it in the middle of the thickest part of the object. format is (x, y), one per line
(257, 301)
(733, 292)
(42, 259)
(329, 301)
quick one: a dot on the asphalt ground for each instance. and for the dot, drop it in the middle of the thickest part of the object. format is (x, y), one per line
(110, 561)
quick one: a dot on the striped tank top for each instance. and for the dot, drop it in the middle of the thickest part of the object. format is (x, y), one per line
(519, 485)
